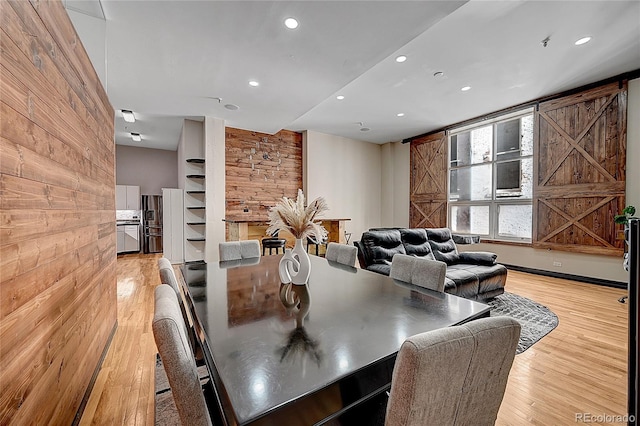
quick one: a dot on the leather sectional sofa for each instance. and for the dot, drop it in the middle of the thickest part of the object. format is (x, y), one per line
(472, 275)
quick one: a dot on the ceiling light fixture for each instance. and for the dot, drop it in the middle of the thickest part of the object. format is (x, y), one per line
(465, 88)
(583, 40)
(291, 23)
(136, 137)
(232, 107)
(128, 116)
(365, 129)
(340, 97)
(253, 83)
(400, 114)
(438, 74)
(401, 58)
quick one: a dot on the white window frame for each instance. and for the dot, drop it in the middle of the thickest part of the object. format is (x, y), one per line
(495, 202)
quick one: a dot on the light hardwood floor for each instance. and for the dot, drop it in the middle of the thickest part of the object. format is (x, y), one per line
(580, 367)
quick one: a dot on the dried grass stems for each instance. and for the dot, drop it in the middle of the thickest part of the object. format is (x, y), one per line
(301, 222)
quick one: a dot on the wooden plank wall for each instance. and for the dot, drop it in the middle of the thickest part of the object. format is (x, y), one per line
(260, 169)
(57, 216)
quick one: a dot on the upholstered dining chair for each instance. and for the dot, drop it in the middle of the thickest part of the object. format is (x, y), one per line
(342, 253)
(272, 242)
(419, 271)
(235, 250)
(169, 332)
(453, 376)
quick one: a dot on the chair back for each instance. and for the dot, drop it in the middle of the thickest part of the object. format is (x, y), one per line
(169, 332)
(167, 275)
(342, 253)
(453, 376)
(236, 250)
(419, 271)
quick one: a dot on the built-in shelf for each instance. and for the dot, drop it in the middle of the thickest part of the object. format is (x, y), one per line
(195, 192)
(196, 223)
(196, 239)
(196, 208)
(196, 265)
(195, 176)
(195, 160)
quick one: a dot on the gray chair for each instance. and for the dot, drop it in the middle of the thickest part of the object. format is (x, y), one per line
(170, 333)
(236, 250)
(453, 376)
(419, 271)
(342, 253)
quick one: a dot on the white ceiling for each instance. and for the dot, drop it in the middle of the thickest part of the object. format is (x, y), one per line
(167, 60)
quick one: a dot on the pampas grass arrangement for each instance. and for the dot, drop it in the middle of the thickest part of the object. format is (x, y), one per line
(301, 222)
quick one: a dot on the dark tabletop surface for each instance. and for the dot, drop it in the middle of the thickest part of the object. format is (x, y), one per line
(355, 318)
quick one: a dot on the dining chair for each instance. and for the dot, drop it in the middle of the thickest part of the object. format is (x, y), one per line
(419, 271)
(236, 250)
(342, 253)
(317, 244)
(169, 332)
(168, 276)
(454, 375)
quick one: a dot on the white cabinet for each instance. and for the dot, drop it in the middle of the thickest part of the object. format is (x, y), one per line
(173, 224)
(132, 238)
(120, 239)
(127, 197)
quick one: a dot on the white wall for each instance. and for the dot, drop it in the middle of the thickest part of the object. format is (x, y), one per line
(395, 184)
(214, 154)
(347, 173)
(92, 34)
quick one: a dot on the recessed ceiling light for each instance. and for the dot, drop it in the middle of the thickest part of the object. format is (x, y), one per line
(400, 114)
(465, 88)
(232, 107)
(340, 97)
(128, 116)
(583, 40)
(136, 137)
(291, 23)
(253, 83)
(365, 129)
(401, 58)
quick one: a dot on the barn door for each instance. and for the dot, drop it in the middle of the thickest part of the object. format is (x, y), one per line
(580, 171)
(428, 184)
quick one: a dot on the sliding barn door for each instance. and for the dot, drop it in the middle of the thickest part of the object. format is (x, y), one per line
(580, 171)
(428, 184)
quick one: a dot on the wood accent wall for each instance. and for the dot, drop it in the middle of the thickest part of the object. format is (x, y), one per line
(260, 169)
(428, 182)
(579, 173)
(57, 216)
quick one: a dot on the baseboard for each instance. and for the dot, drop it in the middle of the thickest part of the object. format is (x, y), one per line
(87, 393)
(590, 280)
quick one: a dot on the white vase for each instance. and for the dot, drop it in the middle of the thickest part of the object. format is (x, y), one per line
(304, 264)
(295, 265)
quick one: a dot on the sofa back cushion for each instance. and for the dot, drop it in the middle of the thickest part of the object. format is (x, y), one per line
(442, 245)
(415, 242)
(380, 246)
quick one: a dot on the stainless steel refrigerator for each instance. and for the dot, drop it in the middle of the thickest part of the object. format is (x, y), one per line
(152, 223)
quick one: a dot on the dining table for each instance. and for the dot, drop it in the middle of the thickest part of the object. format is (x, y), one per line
(320, 353)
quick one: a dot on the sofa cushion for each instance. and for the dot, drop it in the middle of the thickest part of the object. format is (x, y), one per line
(380, 246)
(380, 268)
(442, 245)
(415, 242)
(477, 257)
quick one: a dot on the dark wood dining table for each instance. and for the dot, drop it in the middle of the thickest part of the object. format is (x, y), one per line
(325, 358)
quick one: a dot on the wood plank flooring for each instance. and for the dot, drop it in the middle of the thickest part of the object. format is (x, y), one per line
(580, 367)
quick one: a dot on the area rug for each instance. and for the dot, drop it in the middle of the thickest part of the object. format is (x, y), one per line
(535, 319)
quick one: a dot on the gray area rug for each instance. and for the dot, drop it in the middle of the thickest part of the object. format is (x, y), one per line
(535, 319)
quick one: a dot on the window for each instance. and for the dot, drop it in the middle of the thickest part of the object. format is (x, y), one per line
(491, 178)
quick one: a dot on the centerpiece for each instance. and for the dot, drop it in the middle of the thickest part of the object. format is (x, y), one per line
(302, 222)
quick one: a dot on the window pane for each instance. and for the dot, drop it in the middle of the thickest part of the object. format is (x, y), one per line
(470, 183)
(514, 221)
(514, 179)
(470, 219)
(473, 147)
(526, 128)
(508, 139)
